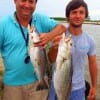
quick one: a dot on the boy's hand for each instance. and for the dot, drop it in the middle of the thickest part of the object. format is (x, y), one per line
(92, 94)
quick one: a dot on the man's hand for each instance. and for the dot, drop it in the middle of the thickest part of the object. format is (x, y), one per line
(44, 39)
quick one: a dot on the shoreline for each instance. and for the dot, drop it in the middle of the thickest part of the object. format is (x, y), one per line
(94, 22)
(85, 22)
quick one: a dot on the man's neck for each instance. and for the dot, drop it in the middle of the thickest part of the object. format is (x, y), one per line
(75, 30)
(23, 21)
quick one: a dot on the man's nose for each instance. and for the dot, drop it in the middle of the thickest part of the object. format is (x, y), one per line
(27, 3)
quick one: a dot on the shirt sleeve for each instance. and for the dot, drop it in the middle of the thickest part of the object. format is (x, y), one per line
(47, 23)
(92, 49)
(1, 33)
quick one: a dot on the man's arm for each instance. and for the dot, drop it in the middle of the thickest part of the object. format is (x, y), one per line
(93, 74)
(58, 30)
(46, 37)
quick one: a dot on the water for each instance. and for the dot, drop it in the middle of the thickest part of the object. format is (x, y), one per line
(94, 30)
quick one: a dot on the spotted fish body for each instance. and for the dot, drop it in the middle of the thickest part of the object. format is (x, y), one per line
(63, 70)
(37, 55)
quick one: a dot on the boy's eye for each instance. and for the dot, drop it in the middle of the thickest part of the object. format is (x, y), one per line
(31, 1)
(23, 0)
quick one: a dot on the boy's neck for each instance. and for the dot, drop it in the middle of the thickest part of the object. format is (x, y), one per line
(75, 30)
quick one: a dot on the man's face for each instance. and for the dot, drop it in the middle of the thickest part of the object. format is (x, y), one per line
(25, 7)
(77, 16)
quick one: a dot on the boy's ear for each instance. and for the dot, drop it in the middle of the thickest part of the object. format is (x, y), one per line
(15, 1)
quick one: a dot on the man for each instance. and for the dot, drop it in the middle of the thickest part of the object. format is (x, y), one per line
(20, 81)
(83, 44)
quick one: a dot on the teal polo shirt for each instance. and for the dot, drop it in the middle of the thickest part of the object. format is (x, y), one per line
(13, 48)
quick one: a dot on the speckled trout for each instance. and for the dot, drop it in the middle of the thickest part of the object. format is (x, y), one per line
(37, 54)
(63, 70)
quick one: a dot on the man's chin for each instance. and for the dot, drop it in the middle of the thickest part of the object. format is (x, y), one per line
(26, 15)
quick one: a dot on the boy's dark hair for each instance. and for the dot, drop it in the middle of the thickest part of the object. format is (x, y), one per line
(74, 4)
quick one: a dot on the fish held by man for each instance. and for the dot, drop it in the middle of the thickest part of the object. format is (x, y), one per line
(37, 55)
(63, 70)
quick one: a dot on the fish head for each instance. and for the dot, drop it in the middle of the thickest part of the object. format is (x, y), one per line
(33, 35)
(64, 52)
(67, 43)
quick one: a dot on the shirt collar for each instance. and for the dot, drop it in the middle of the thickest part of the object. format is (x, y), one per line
(15, 21)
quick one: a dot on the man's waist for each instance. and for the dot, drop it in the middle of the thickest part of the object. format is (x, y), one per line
(19, 81)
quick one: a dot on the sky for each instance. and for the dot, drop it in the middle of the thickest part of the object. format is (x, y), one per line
(52, 8)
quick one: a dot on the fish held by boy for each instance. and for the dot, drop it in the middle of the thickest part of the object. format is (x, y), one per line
(63, 70)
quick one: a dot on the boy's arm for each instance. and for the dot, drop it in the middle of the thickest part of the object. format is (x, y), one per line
(52, 54)
(93, 74)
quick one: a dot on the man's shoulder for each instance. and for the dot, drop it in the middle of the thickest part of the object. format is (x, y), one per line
(6, 22)
(39, 16)
(5, 19)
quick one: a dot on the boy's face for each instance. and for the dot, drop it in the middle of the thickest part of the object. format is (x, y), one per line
(77, 16)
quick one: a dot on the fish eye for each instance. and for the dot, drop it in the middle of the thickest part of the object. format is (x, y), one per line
(70, 44)
(31, 37)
